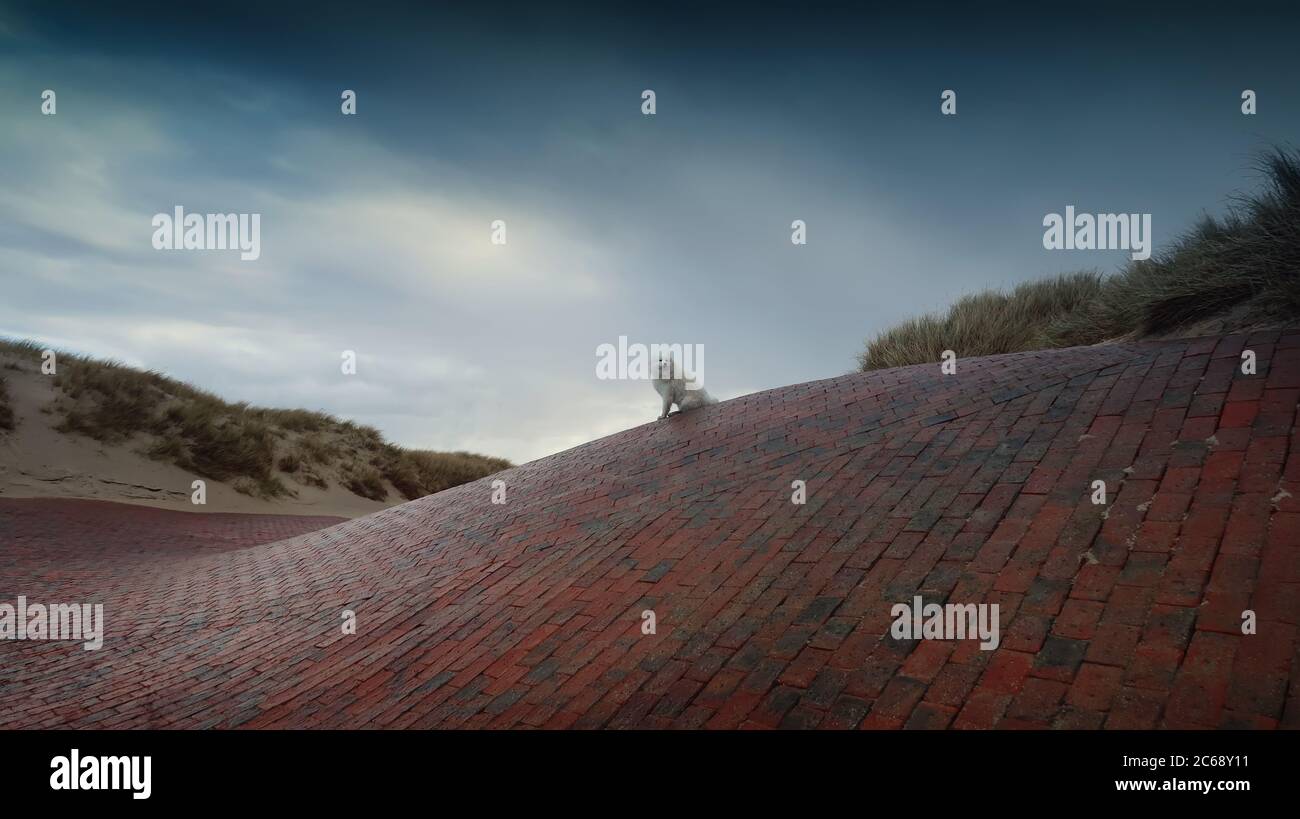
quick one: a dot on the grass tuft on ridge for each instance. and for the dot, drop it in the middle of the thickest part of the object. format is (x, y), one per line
(1241, 271)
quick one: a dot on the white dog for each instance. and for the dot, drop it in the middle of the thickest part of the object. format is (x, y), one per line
(674, 390)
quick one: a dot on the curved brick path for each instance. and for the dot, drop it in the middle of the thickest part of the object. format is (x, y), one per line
(967, 488)
(51, 546)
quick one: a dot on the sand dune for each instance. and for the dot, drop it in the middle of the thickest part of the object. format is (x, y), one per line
(38, 461)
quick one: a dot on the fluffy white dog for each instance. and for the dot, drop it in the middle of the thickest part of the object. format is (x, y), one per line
(674, 390)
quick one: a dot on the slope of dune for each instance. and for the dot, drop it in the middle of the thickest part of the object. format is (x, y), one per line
(37, 460)
(974, 487)
(102, 431)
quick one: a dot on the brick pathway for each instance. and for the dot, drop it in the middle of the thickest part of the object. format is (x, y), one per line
(967, 488)
(64, 546)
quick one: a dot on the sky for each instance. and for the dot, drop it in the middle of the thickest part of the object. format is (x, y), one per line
(673, 227)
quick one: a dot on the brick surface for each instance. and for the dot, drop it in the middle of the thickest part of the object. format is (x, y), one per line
(970, 488)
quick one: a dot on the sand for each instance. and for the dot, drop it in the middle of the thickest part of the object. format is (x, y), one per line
(38, 461)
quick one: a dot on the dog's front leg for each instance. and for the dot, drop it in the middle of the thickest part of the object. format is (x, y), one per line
(668, 404)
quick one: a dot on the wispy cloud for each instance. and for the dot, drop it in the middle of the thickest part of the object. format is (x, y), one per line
(376, 228)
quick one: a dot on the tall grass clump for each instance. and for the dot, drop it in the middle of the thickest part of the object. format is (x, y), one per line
(416, 473)
(1244, 268)
(1240, 271)
(984, 323)
(6, 412)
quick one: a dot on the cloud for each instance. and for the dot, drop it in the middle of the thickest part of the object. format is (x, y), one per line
(376, 228)
(380, 255)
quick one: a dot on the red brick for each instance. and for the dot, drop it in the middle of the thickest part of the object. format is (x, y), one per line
(973, 489)
(1095, 686)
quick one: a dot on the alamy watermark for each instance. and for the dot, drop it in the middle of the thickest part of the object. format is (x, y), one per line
(75, 772)
(951, 621)
(647, 362)
(209, 231)
(1103, 231)
(56, 621)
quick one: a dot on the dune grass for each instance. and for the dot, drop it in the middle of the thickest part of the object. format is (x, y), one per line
(985, 323)
(1242, 270)
(260, 451)
(6, 412)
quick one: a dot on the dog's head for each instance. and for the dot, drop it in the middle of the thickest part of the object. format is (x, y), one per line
(665, 366)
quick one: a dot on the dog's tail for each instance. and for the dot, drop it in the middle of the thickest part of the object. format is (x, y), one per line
(697, 398)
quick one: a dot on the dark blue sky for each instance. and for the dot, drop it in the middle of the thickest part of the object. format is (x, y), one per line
(666, 228)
